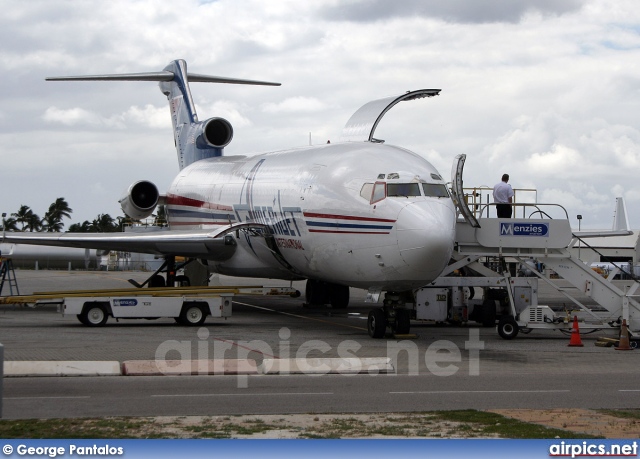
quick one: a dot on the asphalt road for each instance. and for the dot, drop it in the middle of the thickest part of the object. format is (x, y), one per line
(442, 368)
(220, 395)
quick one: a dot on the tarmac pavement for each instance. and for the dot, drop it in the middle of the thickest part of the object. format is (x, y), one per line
(444, 362)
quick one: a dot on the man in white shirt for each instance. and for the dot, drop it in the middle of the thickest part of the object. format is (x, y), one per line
(503, 197)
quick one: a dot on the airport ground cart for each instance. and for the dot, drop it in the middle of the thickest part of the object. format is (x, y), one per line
(480, 299)
(186, 310)
(187, 305)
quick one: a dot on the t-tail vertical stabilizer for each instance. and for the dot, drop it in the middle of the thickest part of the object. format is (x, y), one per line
(620, 219)
(194, 140)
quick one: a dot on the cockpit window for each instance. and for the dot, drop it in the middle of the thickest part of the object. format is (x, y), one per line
(366, 190)
(379, 192)
(436, 190)
(375, 192)
(403, 189)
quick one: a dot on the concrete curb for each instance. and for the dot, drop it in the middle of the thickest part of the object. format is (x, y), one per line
(60, 368)
(320, 366)
(189, 367)
(310, 366)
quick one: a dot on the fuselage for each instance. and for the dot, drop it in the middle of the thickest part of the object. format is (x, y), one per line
(361, 214)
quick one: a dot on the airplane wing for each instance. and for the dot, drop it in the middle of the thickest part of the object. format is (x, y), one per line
(217, 245)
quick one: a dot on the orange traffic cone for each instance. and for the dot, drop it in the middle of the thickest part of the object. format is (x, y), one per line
(575, 334)
(623, 344)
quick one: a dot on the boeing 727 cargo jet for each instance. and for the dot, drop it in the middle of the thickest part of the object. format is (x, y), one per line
(356, 213)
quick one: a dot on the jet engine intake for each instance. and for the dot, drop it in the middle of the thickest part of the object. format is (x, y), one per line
(217, 132)
(140, 200)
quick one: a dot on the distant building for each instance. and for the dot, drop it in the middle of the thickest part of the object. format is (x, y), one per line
(609, 249)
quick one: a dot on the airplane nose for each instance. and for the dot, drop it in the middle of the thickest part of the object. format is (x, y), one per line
(426, 235)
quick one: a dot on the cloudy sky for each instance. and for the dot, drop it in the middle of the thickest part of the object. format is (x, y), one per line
(546, 90)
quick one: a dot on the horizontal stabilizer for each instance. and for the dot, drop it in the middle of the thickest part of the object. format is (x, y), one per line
(161, 76)
(197, 78)
(148, 76)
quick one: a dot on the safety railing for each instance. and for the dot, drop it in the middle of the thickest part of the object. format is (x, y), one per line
(527, 210)
(525, 204)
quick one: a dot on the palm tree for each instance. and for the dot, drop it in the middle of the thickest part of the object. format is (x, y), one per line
(51, 224)
(9, 224)
(34, 223)
(84, 227)
(104, 223)
(24, 215)
(53, 217)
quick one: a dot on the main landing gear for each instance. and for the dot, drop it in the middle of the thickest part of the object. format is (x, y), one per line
(319, 293)
(172, 280)
(392, 315)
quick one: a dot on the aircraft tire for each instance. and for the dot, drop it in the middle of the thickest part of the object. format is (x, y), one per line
(339, 296)
(314, 293)
(403, 321)
(377, 323)
(157, 281)
(508, 327)
(488, 313)
(192, 315)
(93, 315)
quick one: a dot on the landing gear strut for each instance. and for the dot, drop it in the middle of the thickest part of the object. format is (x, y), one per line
(393, 315)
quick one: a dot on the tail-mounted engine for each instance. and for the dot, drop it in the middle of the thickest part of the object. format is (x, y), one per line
(140, 200)
(215, 132)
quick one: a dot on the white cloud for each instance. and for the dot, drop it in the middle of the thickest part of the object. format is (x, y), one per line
(233, 112)
(618, 190)
(73, 117)
(559, 161)
(149, 116)
(547, 91)
(295, 105)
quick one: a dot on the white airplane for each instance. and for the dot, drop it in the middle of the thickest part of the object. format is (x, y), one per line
(357, 213)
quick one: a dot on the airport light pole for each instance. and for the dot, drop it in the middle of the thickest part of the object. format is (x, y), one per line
(579, 225)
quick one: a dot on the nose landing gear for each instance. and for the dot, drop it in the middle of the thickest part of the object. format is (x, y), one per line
(393, 315)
